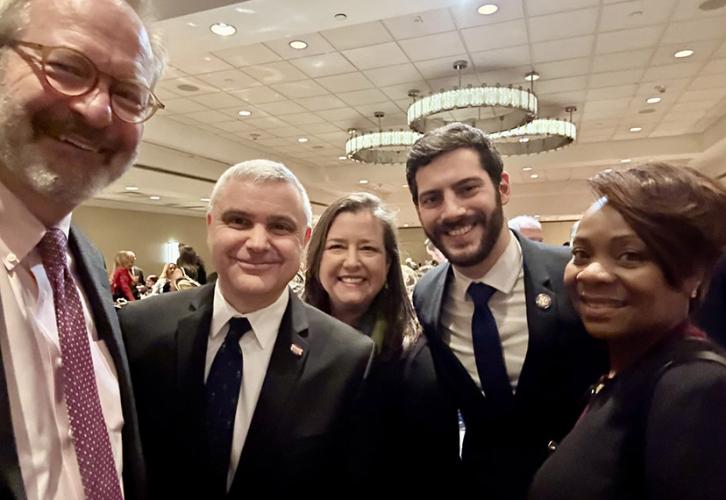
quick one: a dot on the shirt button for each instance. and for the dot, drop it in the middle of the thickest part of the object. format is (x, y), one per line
(552, 445)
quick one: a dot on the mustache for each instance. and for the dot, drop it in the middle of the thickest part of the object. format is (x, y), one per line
(67, 123)
(465, 220)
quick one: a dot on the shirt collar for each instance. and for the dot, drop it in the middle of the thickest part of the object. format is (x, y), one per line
(21, 230)
(265, 322)
(502, 276)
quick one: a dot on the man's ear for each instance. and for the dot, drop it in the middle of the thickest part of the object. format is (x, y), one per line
(505, 190)
(308, 234)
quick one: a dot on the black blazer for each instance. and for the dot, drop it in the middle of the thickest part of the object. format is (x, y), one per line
(299, 431)
(711, 316)
(501, 450)
(94, 280)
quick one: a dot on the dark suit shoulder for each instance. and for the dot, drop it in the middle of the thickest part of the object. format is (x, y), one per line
(340, 335)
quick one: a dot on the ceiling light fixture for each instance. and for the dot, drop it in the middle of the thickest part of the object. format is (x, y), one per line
(342, 157)
(538, 136)
(683, 53)
(532, 76)
(154, 197)
(132, 188)
(488, 9)
(298, 44)
(380, 147)
(625, 160)
(223, 29)
(534, 176)
(205, 200)
(653, 100)
(191, 24)
(526, 169)
(244, 112)
(636, 129)
(302, 140)
(363, 181)
(340, 16)
(491, 109)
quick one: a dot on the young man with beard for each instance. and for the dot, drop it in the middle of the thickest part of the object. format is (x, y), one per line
(241, 386)
(498, 376)
(73, 97)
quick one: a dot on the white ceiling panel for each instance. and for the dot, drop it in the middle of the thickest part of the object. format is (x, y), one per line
(635, 14)
(567, 67)
(539, 8)
(359, 97)
(615, 92)
(558, 50)
(277, 72)
(614, 78)
(393, 75)
(433, 46)
(218, 100)
(438, 68)
(376, 56)
(359, 35)
(303, 119)
(323, 65)
(501, 58)
(562, 25)
(321, 103)
(630, 39)
(302, 88)
(248, 55)
(701, 52)
(693, 31)
(495, 36)
(281, 108)
(178, 106)
(466, 15)
(621, 60)
(671, 71)
(229, 80)
(345, 83)
(258, 95)
(562, 84)
(417, 25)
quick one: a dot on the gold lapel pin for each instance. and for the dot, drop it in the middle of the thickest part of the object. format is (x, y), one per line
(543, 301)
(296, 350)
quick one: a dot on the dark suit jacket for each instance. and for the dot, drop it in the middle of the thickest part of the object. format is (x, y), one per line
(94, 280)
(501, 450)
(298, 434)
(711, 316)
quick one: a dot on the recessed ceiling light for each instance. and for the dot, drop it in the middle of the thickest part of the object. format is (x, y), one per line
(205, 200)
(636, 129)
(683, 53)
(132, 188)
(524, 139)
(363, 181)
(244, 112)
(405, 186)
(653, 100)
(223, 29)
(608, 170)
(298, 44)
(532, 76)
(192, 25)
(405, 225)
(625, 160)
(488, 9)
(534, 176)
(342, 157)
(154, 197)
(526, 169)
(207, 59)
(302, 140)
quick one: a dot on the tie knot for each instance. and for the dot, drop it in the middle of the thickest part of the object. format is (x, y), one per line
(480, 293)
(53, 247)
(237, 328)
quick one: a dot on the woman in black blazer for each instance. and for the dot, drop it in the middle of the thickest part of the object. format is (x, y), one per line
(655, 424)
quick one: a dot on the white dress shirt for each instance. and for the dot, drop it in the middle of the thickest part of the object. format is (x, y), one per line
(31, 359)
(508, 306)
(256, 348)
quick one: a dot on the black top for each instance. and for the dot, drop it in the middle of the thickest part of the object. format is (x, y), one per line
(655, 431)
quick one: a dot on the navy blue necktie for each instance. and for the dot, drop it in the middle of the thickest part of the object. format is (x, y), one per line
(222, 393)
(488, 348)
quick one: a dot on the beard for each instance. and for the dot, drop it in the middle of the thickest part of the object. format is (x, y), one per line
(492, 226)
(64, 181)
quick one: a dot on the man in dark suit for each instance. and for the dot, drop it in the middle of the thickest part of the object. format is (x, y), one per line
(69, 126)
(291, 378)
(494, 382)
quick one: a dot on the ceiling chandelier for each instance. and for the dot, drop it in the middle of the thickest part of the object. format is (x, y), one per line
(491, 109)
(385, 147)
(538, 136)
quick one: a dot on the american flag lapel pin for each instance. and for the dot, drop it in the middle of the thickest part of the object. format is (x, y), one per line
(296, 350)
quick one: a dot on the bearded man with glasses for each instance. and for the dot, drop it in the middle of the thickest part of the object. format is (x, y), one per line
(76, 80)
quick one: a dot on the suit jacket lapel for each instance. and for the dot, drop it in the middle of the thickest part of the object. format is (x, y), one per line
(281, 380)
(191, 343)
(94, 280)
(542, 306)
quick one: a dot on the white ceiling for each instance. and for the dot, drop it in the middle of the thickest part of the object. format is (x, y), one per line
(605, 57)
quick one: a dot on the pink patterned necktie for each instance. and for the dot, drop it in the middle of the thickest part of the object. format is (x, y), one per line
(90, 435)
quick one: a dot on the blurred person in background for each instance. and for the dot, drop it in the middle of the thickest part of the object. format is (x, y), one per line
(122, 283)
(191, 264)
(642, 258)
(527, 226)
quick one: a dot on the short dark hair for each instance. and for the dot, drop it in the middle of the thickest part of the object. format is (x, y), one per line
(448, 138)
(678, 212)
(393, 299)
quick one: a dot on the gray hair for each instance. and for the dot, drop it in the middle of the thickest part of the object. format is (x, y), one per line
(14, 17)
(263, 172)
(524, 221)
